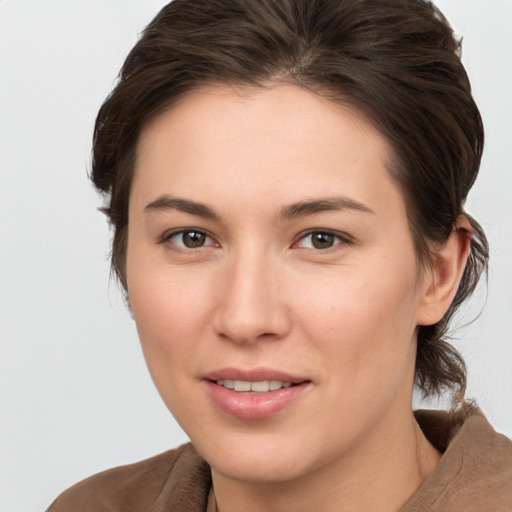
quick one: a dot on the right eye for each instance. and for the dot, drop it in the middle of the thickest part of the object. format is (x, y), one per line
(188, 239)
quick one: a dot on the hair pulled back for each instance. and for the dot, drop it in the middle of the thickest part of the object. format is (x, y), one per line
(396, 61)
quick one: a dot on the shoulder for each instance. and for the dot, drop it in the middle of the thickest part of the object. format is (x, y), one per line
(475, 471)
(180, 476)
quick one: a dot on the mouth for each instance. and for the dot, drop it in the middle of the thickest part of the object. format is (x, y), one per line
(254, 394)
(261, 386)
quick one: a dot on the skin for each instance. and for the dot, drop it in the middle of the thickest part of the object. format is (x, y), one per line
(258, 293)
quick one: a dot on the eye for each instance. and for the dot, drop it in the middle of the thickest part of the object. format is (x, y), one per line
(320, 240)
(188, 239)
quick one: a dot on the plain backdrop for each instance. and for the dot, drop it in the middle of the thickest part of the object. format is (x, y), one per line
(75, 395)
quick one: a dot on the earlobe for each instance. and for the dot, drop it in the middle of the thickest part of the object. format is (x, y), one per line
(442, 279)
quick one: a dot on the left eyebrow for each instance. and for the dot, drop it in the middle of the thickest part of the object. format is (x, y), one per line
(304, 208)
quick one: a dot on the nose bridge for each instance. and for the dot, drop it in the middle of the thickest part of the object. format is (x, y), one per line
(251, 305)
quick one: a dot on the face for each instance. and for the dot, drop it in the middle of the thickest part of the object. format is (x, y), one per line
(269, 251)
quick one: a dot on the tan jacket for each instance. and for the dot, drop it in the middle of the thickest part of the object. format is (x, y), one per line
(474, 475)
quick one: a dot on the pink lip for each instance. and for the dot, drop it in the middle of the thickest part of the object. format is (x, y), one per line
(253, 406)
(253, 375)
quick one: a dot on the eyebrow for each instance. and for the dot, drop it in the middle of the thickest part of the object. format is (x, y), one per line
(166, 202)
(292, 211)
(305, 208)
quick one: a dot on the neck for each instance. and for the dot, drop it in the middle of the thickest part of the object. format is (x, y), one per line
(382, 475)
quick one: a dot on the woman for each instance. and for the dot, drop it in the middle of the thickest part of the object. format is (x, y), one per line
(286, 182)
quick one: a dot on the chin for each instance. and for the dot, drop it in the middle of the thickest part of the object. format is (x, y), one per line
(265, 460)
(255, 470)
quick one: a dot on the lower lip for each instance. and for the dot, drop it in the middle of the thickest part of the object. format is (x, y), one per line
(253, 406)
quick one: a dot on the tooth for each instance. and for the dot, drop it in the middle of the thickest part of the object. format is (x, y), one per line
(230, 384)
(220, 383)
(242, 385)
(286, 384)
(275, 384)
(261, 386)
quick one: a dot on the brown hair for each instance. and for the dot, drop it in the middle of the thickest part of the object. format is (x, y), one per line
(396, 61)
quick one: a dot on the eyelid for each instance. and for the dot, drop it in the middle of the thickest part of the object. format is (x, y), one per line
(344, 239)
(166, 237)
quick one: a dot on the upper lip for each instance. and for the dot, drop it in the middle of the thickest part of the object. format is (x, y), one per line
(253, 375)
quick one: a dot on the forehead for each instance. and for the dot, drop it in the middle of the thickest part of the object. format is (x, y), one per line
(282, 110)
(281, 137)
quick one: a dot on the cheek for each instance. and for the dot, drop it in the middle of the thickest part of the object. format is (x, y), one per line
(170, 319)
(170, 310)
(363, 318)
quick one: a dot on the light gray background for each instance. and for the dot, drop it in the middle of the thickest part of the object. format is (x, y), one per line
(75, 394)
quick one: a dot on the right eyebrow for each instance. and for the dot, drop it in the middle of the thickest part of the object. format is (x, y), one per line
(167, 202)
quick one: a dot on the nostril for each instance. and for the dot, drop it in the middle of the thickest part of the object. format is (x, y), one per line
(242, 316)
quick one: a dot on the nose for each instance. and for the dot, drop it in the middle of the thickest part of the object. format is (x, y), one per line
(251, 304)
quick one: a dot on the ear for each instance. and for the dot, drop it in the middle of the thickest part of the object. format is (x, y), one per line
(442, 279)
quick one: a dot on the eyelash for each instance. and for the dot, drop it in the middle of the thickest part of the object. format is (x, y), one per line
(340, 239)
(167, 238)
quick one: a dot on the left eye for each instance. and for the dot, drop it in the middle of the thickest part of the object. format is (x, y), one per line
(189, 239)
(320, 240)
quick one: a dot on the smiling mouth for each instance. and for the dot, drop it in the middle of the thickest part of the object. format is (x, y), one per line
(258, 396)
(262, 386)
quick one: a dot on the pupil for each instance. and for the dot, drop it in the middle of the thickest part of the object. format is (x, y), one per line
(322, 240)
(193, 239)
